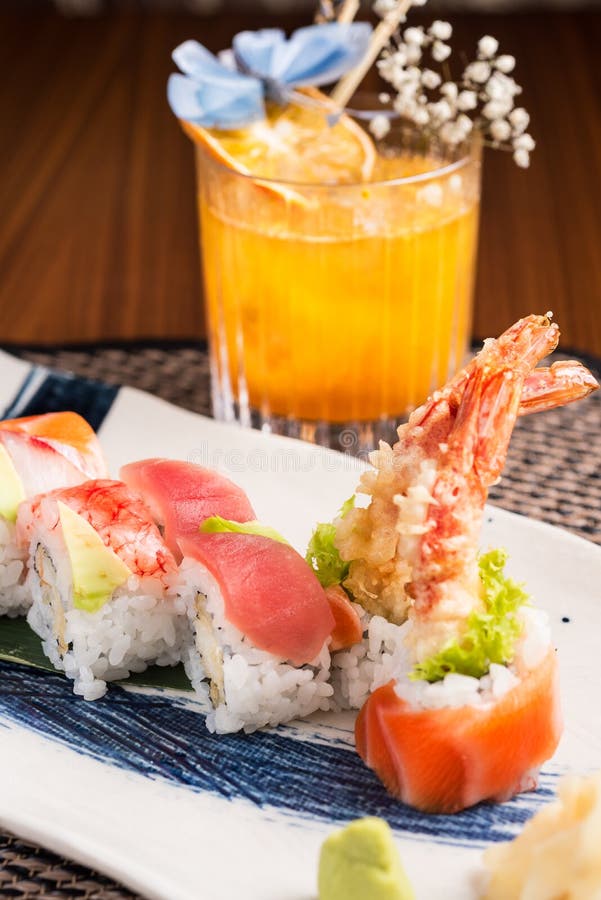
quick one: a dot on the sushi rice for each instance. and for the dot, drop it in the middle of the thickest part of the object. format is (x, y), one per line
(383, 655)
(246, 688)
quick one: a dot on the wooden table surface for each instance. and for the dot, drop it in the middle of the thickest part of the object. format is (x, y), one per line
(98, 223)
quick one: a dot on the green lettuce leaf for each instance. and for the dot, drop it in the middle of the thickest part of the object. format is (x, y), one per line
(218, 525)
(490, 635)
(322, 555)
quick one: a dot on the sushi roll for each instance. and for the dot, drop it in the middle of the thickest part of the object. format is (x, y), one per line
(38, 454)
(182, 495)
(445, 746)
(261, 627)
(457, 668)
(259, 630)
(98, 576)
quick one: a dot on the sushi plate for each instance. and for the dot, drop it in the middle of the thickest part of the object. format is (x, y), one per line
(134, 785)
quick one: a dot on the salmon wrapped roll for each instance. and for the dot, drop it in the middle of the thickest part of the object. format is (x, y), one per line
(99, 573)
(442, 758)
(38, 454)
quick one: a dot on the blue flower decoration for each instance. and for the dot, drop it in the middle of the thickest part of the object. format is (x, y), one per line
(230, 91)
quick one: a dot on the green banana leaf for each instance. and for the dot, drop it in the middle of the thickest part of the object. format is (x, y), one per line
(19, 644)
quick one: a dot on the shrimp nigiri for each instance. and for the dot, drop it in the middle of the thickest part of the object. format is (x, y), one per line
(98, 576)
(469, 709)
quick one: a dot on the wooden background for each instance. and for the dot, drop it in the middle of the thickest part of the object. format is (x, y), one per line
(97, 213)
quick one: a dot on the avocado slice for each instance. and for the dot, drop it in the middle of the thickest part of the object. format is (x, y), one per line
(360, 862)
(97, 570)
(219, 525)
(12, 491)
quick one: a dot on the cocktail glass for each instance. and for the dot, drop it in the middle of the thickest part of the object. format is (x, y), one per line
(334, 309)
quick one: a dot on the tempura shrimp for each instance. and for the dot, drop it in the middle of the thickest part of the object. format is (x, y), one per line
(414, 549)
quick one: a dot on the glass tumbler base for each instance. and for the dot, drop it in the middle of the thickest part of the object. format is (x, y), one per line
(354, 438)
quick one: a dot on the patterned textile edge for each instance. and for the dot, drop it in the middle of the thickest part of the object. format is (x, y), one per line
(177, 371)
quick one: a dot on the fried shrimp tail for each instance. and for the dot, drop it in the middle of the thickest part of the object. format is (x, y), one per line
(563, 382)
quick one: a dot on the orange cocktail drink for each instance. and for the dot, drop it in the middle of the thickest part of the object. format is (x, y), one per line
(334, 299)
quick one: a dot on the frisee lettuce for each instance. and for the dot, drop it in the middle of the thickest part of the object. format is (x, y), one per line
(218, 525)
(490, 635)
(323, 556)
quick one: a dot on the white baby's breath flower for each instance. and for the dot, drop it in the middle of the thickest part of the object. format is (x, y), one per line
(519, 119)
(379, 126)
(465, 125)
(392, 67)
(467, 100)
(505, 63)
(522, 158)
(487, 47)
(405, 100)
(421, 116)
(449, 90)
(456, 183)
(451, 134)
(405, 106)
(413, 53)
(524, 142)
(440, 31)
(419, 2)
(441, 111)
(500, 130)
(414, 75)
(414, 35)
(478, 72)
(383, 8)
(497, 109)
(499, 87)
(440, 51)
(482, 99)
(430, 79)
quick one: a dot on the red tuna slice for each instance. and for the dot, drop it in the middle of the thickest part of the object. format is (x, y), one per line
(182, 495)
(52, 450)
(269, 592)
(117, 514)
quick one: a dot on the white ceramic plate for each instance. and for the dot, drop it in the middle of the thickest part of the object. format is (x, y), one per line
(134, 786)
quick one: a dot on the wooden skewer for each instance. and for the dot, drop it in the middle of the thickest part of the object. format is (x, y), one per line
(348, 11)
(347, 85)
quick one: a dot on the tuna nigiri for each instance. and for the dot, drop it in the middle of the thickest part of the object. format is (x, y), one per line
(182, 495)
(465, 705)
(98, 575)
(37, 454)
